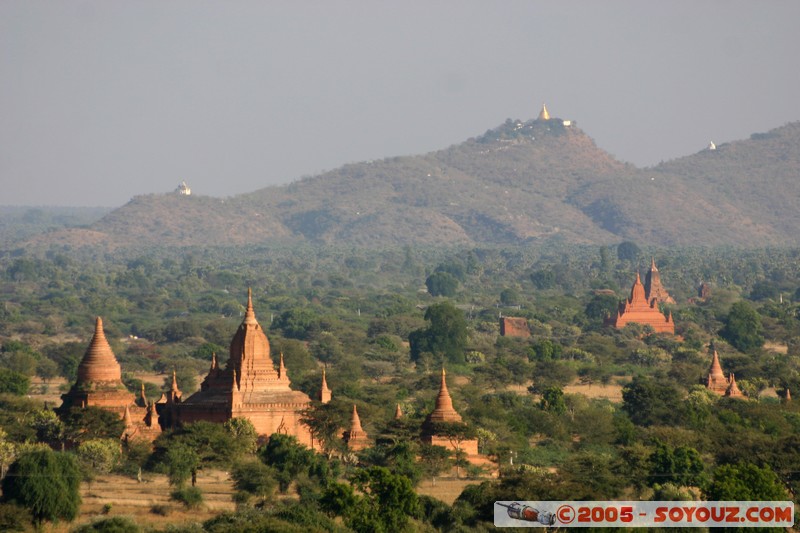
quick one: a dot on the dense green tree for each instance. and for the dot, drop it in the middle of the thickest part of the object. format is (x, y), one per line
(445, 336)
(86, 423)
(601, 306)
(98, 456)
(389, 501)
(553, 400)
(298, 323)
(181, 463)
(746, 482)
(255, 478)
(46, 483)
(245, 436)
(648, 401)
(628, 251)
(325, 422)
(14, 382)
(289, 459)
(544, 279)
(682, 466)
(442, 284)
(509, 296)
(212, 443)
(743, 327)
(435, 460)
(400, 458)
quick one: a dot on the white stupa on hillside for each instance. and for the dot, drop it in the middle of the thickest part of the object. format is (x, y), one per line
(183, 189)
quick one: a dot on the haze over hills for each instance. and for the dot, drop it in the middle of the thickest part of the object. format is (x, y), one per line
(519, 183)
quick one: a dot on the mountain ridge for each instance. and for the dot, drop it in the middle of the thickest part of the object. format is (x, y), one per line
(519, 183)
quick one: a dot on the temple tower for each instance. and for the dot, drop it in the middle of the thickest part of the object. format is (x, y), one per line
(637, 309)
(443, 411)
(733, 389)
(654, 291)
(716, 381)
(250, 387)
(99, 384)
(324, 392)
(99, 380)
(356, 438)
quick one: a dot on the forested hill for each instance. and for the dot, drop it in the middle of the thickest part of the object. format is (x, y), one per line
(522, 182)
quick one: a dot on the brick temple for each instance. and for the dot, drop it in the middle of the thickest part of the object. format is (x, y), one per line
(639, 309)
(716, 381)
(249, 387)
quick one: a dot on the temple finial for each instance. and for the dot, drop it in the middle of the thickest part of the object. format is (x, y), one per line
(250, 314)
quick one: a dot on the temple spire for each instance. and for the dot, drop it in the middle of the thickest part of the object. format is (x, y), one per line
(250, 314)
(715, 370)
(143, 396)
(126, 418)
(444, 411)
(355, 422)
(543, 114)
(282, 369)
(99, 362)
(398, 413)
(324, 392)
(356, 438)
(175, 382)
(733, 389)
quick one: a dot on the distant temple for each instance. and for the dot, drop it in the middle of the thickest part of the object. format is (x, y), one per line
(653, 290)
(716, 381)
(444, 412)
(183, 189)
(355, 437)
(249, 387)
(543, 114)
(640, 309)
(99, 384)
(511, 326)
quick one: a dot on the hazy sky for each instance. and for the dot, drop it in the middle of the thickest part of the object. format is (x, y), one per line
(104, 100)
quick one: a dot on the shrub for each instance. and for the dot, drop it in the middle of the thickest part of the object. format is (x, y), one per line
(160, 509)
(191, 497)
(117, 524)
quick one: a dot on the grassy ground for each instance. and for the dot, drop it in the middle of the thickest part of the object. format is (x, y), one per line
(445, 489)
(148, 503)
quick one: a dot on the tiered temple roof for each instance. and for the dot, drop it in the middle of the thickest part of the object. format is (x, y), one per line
(638, 309)
(249, 386)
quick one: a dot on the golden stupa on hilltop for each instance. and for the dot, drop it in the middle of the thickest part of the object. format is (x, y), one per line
(543, 114)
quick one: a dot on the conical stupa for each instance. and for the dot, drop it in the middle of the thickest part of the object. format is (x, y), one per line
(356, 438)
